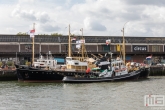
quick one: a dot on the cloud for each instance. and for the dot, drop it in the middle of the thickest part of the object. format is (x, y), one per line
(146, 2)
(10, 29)
(49, 28)
(43, 17)
(26, 1)
(93, 25)
(96, 17)
(28, 15)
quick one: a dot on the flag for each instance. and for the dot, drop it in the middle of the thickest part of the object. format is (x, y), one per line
(78, 46)
(32, 33)
(82, 41)
(77, 42)
(108, 41)
(73, 38)
(148, 58)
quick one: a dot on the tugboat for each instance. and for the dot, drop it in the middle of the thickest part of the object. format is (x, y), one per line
(113, 70)
(43, 70)
(47, 70)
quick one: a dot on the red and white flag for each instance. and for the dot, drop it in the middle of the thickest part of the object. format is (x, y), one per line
(73, 38)
(108, 41)
(32, 33)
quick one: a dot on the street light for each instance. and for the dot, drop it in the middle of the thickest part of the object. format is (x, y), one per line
(123, 47)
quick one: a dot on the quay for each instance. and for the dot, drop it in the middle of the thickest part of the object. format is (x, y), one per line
(156, 70)
(8, 75)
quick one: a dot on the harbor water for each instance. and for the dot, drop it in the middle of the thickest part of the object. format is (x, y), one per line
(16, 95)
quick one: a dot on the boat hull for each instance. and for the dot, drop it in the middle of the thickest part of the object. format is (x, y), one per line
(144, 73)
(131, 76)
(28, 74)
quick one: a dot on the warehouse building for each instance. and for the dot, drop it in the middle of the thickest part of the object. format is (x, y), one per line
(19, 47)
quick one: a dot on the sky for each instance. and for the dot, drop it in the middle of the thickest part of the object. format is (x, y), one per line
(140, 18)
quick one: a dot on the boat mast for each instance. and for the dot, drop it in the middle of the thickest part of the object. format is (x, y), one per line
(83, 49)
(69, 44)
(82, 52)
(33, 45)
(123, 47)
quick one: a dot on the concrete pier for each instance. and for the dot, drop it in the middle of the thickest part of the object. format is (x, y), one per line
(156, 70)
(8, 75)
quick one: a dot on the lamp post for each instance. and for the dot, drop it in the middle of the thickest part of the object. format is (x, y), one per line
(123, 46)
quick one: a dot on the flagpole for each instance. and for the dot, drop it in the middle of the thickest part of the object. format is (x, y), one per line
(69, 42)
(33, 45)
(124, 43)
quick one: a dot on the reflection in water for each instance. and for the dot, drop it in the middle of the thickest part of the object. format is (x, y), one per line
(90, 96)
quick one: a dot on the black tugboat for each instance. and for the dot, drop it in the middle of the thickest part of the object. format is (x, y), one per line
(43, 70)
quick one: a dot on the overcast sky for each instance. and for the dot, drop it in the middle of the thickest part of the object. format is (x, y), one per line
(144, 18)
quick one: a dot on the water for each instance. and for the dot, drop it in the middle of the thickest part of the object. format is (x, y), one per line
(91, 96)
